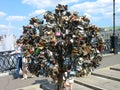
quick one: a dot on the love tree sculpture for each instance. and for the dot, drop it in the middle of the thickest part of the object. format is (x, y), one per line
(62, 45)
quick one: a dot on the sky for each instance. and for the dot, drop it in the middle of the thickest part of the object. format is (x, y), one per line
(14, 14)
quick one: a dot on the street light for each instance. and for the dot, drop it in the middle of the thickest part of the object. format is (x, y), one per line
(113, 17)
(114, 38)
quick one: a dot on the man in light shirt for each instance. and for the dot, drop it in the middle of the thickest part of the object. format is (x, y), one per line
(19, 58)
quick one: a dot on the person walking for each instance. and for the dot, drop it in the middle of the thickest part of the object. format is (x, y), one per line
(24, 68)
(18, 53)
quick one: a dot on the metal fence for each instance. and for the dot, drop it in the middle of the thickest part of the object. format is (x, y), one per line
(8, 62)
(108, 46)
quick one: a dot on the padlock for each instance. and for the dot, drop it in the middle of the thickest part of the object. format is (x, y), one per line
(65, 42)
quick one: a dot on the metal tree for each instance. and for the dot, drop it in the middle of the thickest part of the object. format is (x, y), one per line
(62, 43)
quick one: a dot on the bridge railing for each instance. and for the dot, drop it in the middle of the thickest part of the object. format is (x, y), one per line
(7, 61)
(108, 46)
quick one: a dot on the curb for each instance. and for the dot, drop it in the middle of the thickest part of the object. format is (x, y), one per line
(110, 54)
(4, 74)
(42, 86)
(89, 85)
(116, 69)
(31, 87)
(106, 76)
(47, 86)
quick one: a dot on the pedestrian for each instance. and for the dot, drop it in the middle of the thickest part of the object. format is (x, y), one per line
(69, 81)
(19, 59)
(25, 68)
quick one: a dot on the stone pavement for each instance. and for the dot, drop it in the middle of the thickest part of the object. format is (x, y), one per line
(102, 79)
(106, 77)
(8, 83)
(35, 83)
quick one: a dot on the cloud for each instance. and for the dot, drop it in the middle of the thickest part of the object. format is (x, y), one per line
(68, 1)
(4, 29)
(2, 14)
(10, 29)
(118, 10)
(37, 12)
(9, 26)
(97, 7)
(93, 18)
(39, 3)
(16, 18)
(117, 20)
(98, 10)
(47, 3)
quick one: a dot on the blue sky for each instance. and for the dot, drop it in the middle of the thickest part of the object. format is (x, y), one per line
(16, 13)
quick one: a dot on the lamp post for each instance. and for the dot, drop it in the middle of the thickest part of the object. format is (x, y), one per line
(113, 17)
(114, 38)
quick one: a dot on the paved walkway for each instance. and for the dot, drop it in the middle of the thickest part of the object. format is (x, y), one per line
(8, 83)
(102, 79)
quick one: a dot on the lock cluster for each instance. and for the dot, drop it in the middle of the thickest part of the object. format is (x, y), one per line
(62, 42)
